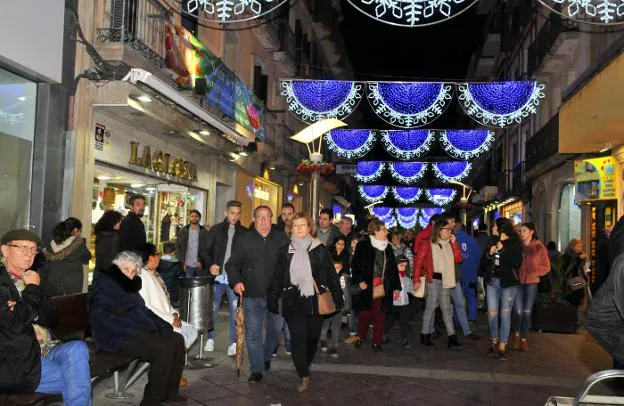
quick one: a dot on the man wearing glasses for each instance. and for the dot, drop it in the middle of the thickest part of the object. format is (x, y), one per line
(250, 270)
(26, 365)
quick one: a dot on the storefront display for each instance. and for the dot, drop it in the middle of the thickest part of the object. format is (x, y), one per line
(513, 212)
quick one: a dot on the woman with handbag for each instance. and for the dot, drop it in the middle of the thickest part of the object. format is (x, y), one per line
(307, 284)
(574, 268)
(535, 265)
(374, 264)
(436, 264)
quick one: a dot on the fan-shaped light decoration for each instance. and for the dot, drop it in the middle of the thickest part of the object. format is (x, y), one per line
(231, 11)
(350, 144)
(426, 214)
(407, 172)
(466, 144)
(500, 104)
(314, 100)
(407, 144)
(390, 222)
(597, 12)
(412, 13)
(373, 193)
(406, 194)
(381, 212)
(406, 212)
(409, 104)
(451, 171)
(440, 196)
(407, 222)
(369, 171)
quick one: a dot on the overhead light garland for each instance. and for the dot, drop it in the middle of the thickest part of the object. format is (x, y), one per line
(451, 171)
(391, 222)
(232, 11)
(412, 13)
(381, 212)
(409, 104)
(369, 171)
(407, 144)
(315, 100)
(500, 104)
(596, 12)
(406, 194)
(407, 223)
(466, 144)
(406, 212)
(441, 196)
(407, 172)
(351, 143)
(373, 193)
(426, 214)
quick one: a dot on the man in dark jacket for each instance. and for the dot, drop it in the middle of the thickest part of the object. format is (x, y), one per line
(132, 230)
(286, 214)
(222, 238)
(191, 246)
(120, 322)
(22, 304)
(327, 232)
(250, 270)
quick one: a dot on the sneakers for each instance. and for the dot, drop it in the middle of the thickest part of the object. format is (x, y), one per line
(332, 353)
(324, 346)
(287, 349)
(351, 339)
(231, 350)
(209, 347)
(405, 344)
(255, 377)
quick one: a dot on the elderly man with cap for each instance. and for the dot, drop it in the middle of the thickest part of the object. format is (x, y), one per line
(26, 365)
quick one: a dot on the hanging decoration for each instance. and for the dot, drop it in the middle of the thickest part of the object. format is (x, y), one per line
(391, 222)
(406, 213)
(596, 12)
(231, 11)
(407, 222)
(440, 196)
(350, 144)
(407, 144)
(500, 104)
(307, 167)
(466, 144)
(315, 100)
(412, 13)
(426, 214)
(381, 212)
(407, 172)
(451, 171)
(406, 194)
(409, 104)
(373, 193)
(369, 171)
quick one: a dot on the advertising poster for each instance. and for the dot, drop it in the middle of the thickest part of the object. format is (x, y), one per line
(595, 179)
(99, 137)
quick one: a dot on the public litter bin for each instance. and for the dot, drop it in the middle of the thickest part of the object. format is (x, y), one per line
(196, 302)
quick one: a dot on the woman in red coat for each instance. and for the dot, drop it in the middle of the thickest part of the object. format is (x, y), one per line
(436, 262)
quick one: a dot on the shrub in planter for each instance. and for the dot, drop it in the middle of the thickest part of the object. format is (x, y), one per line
(552, 312)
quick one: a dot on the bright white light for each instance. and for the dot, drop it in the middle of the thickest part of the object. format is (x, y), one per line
(150, 189)
(243, 153)
(22, 98)
(103, 177)
(234, 155)
(204, 132)
(144, 98)
(137, 185)
(272, 168)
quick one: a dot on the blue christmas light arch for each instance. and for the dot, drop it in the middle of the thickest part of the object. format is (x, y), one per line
(406, 194)
(466, 144)
(406, 212)
(381, 212)
(391, 222)
(426, 214)
(315, 100)
(350, 143)
(407, 144)
(440, 196)
(500, 104)
(409, 104)
(373, 193)
(452, 171)
(407, 223)
(369, 171)
(408, 172)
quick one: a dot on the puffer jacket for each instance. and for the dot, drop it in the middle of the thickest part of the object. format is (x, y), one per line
(63, 272)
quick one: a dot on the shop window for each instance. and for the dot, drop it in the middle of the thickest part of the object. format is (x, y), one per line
(18, 99)
(569, 216)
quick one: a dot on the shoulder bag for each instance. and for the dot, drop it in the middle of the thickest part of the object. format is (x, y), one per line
(325, 300)
(379, 291)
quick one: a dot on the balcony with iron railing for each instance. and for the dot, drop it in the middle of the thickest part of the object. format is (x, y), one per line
(546, 39)
(543, 144)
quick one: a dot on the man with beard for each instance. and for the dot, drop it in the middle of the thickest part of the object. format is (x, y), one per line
(132, 230)
(287, 213)
(192, 246)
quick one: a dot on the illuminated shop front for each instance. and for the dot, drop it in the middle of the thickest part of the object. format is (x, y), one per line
(256, 191)
(513, 212)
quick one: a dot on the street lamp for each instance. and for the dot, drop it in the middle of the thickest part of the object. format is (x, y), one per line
(308, 136)
(463, 202)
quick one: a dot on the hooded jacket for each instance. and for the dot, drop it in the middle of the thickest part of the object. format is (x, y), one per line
(471, 254)
(63, 271)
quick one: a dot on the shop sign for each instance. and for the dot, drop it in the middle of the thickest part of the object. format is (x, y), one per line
(261, 194)
(595, 179)
(162, 163)
(190, 59)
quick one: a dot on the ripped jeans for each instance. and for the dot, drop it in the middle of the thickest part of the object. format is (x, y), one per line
(503, 299)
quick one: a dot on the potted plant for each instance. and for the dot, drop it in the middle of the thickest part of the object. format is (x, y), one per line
(552, 312)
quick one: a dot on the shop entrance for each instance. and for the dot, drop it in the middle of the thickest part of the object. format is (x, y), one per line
(603, 218)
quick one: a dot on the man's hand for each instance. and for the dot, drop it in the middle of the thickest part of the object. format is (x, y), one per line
(239, 288)
(177, 323)
(363, 285)
(11, 305)
(215, 270)
(32, 278)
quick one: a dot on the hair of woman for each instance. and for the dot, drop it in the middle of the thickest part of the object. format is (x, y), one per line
(63, 230)
(375, 225)
(437, 227)
(108, 221)
(531, 227)
(504, 225)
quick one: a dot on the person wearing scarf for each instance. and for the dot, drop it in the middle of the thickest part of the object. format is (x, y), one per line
(374, 264)
(303, 267)
(436, 262)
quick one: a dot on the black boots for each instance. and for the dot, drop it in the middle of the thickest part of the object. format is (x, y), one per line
(425, 339)
(452, 341)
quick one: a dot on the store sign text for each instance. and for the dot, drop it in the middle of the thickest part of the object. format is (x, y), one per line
(262, 194)
(162, 163)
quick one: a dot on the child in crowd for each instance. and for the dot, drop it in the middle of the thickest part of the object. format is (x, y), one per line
(401, 308)
(170, 269)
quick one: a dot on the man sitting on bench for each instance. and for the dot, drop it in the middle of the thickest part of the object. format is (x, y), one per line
(64, 368)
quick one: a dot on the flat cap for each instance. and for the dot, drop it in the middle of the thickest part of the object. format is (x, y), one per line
(20, 234)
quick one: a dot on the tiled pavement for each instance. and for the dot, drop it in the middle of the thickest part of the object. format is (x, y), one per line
(556, 364)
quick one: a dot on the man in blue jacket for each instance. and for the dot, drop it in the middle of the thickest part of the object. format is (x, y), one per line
(469, 267)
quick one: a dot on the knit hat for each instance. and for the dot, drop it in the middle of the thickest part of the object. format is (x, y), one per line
(402, 258)
(20, 234)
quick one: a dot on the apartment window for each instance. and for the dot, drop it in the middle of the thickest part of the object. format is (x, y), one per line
(260, 84)
(231, 50)
(190, 20)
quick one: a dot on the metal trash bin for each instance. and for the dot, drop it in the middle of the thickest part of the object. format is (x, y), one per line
(196, 302)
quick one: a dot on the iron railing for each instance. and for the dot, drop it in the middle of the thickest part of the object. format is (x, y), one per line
(542, 145)
(546, 38)
(138, 24)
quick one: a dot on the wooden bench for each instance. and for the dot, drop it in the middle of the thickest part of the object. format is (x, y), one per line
(74, 324)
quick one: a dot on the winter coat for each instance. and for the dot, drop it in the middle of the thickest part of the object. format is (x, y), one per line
(293, 304)
(344, 257)
(333, 234)
(63, 271)
(423, 265)
(170, 269)
(131, 232)
(572, 265)
(535, 262)
(482, 239)
(404, 251)
(471, 256)
(20, 353)
(348, 290)
(106, 249)
(362, 270)
(117, 313)
(422, 239)
(202, 248)
(217, 242)
(253, 261)
(510, 261)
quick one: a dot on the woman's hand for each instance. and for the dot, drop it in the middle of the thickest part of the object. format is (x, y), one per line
(396, 294)
(416, 284)
(363, 285)
(499, 246)
(493, 250)
(453, 238)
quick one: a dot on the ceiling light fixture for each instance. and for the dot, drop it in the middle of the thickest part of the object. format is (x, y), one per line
(204, 132)
(103, 177)
(137, 185)
(144, 98)
(272, 168)
(22, 98)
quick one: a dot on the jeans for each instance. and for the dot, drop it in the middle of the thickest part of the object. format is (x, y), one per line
(470, 293)
(66, 371)
(191, 271)
(351, 323)
(257, 319)
(438, 295)
(459, 309)
(502, 298)
(525, 299)
(219, 290)
(332, 323)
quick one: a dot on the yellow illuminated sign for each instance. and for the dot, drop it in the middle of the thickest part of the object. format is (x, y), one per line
(595, 179)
